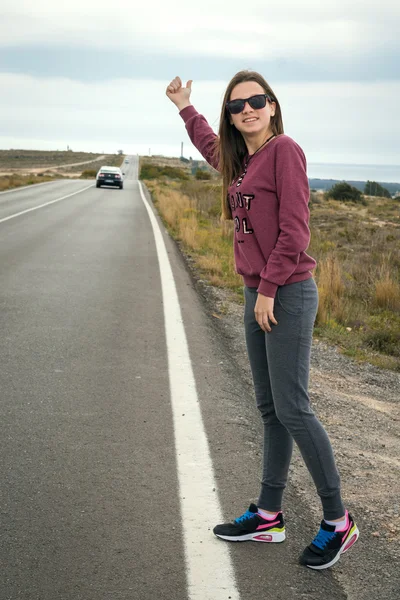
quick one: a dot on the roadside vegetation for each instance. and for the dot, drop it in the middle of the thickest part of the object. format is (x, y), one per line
(36, 159)
(26, 167)
(356, 243)
(8, 182)
(372, 188)
(90, 171)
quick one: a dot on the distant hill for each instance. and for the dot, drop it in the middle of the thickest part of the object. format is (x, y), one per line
(327, 184)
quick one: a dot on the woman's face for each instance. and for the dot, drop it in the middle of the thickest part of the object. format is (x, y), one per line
(250, 121)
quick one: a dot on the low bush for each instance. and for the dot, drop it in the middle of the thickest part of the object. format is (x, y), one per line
(372, 188)
(387, 342)
(8, 182)
(202, 175)
(344, 191)
(88, 174)
(149, 171)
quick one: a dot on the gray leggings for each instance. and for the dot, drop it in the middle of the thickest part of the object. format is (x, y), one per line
(280, 363)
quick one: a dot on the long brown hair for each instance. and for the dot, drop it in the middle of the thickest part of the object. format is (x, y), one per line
(230, 146)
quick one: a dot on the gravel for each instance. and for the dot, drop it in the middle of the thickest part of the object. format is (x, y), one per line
(359, 405)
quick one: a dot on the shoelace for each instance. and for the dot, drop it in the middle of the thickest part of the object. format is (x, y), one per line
(244, 517)
(323, 538)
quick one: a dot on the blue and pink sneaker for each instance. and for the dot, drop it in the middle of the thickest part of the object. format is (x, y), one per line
(329, 544)
(251, 526)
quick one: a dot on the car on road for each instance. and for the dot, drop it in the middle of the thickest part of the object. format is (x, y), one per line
(127, 160)
(110, 176)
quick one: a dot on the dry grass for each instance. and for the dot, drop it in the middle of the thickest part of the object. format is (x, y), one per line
(111, 160)
(208, 240)
(31, 159)
(27, 167)
(357, 249)
(163, 161)
(8, 182)
(387, 291)
(331, 288)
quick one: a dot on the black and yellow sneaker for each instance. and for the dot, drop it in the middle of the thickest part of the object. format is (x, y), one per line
(251, 526)
(329, 544)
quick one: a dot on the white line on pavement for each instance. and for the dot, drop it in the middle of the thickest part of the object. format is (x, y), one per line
(210, 574)
(23, 212)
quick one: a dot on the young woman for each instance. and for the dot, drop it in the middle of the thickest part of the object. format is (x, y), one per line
(266, 193)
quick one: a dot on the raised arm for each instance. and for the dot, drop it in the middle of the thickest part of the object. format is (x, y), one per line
(201, 134)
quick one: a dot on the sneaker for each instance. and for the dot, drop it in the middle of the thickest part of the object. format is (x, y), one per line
(251, 526)
(329, 544)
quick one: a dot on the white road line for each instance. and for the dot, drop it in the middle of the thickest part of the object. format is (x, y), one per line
(210, 574)
(42, 205)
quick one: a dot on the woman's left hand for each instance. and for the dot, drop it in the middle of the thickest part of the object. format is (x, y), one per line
(264, 312)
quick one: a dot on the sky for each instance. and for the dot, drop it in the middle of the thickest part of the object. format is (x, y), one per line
(92, 75)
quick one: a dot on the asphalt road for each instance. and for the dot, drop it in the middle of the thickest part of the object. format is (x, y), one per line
(102, 445)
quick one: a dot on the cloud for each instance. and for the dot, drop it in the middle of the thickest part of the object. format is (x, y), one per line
(341, 123)
(93, 75)
(282, 30)
(89, 64)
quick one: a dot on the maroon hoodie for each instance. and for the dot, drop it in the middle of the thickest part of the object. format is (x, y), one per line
(269, 207)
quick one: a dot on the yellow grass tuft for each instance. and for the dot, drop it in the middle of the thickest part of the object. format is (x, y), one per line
(207, 237)
(387, 291)
(187, 232)
(15, 181)
(172, 206)
(211, 263)
(330, 288)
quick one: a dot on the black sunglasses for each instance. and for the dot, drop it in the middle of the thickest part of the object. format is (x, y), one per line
(258, 101)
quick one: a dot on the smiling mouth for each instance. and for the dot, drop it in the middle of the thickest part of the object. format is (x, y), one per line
(250, 120)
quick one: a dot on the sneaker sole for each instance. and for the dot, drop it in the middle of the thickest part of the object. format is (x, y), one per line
(273, 537)
(352, 538)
